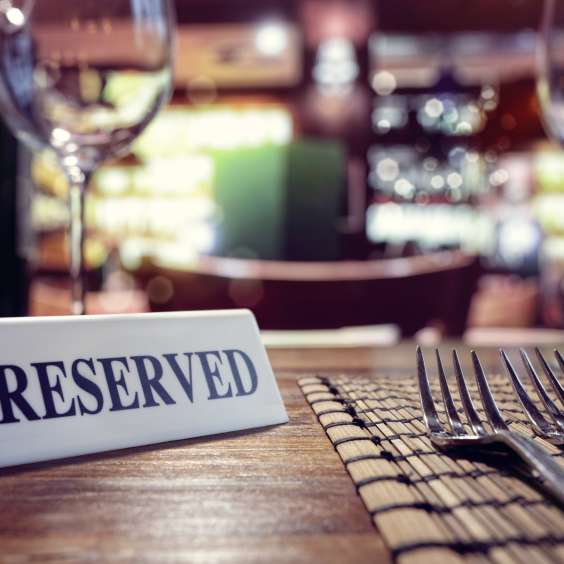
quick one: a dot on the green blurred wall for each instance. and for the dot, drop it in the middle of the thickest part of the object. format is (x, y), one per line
(281, 202)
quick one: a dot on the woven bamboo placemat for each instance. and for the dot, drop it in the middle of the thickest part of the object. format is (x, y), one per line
(429, 506)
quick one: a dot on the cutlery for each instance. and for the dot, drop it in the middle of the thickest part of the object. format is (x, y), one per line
(552, 432)
(479, 438)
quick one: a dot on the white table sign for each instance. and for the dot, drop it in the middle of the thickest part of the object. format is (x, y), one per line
(77, 385)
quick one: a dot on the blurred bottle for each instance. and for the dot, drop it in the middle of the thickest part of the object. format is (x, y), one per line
(13, 229)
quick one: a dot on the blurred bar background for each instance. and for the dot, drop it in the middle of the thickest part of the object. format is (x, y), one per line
(382, 160)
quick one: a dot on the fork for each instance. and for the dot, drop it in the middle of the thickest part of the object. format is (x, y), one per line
(553, 433)
(534, 456)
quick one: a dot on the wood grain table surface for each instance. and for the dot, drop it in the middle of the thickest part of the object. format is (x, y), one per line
(279, 494)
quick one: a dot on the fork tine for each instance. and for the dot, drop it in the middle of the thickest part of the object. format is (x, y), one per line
(556, 385)
(452, 415)
(488, 401)
(427, 403)
(560, 360)
(541, 391)
(467, 402)
(535, 416)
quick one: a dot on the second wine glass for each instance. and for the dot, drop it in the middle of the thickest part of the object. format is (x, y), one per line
(550, 69)
(84, 78)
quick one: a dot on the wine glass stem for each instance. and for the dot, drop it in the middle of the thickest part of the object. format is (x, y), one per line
(78, 182)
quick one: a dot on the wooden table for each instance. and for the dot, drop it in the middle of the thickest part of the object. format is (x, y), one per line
(273, 495)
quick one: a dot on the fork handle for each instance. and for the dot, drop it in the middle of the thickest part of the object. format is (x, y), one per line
(536, 458)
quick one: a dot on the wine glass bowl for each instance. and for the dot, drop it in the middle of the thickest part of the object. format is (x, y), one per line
(84, 78)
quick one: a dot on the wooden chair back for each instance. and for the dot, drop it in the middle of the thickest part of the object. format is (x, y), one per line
(410, 292)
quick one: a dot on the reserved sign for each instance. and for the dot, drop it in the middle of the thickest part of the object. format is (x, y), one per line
(77, 385)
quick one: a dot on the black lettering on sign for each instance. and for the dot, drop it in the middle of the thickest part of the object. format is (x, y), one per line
(227, 374)
(7, 397)
(150, 384)
(51, 386)
(87, 386)
(184, 381)
(213, 375)
(117, 381)
(232, 359)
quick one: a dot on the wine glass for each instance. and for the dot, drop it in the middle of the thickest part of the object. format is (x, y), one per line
(550, 71)
(85, 78)
(550, 87)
